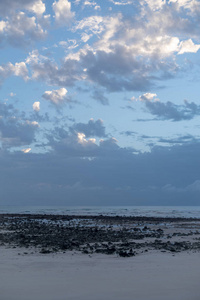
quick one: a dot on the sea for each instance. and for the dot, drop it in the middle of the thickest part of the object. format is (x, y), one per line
(148, 211)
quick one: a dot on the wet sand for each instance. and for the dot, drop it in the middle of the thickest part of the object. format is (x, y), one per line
(99, 258)
(151, 276)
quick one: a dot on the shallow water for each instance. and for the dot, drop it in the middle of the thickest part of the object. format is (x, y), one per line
(149, 211)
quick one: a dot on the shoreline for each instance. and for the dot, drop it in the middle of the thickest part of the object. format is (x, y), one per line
(99, 216)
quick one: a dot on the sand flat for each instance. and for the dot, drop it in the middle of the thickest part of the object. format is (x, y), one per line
(151, 276)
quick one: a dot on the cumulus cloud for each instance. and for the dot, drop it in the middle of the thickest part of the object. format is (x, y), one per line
(119, 60)
(37, 7)
(119, 53)
(10, 6)
(191, 5)
(18, 69)
(74, 144)
(169, 110)
(63, 13)
(148, 97)
(188, 46)
(92, 128)
(15, 129)
(36, 106)
(20, 29)
(56, 97)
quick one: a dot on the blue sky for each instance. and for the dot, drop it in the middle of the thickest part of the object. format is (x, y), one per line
(99, 102)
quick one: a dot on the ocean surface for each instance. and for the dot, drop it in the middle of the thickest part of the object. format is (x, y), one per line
(149, 211)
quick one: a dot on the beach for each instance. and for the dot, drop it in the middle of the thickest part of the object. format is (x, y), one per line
(152, 276)
(158, 259)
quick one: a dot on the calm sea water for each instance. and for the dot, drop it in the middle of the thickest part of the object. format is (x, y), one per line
(150, 211)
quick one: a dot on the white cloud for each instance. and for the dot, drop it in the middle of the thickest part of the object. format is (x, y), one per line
(190, 5)
(56, 96)
(63, 13)
(20, 29)
(110, 27)
(69, 44)
(188, 46)
(2, 25)
(94, 24)
(162, 45)
(85, 37)
(148, 97)
(38, 7)
(89, 3)
(27, 150)
(18, 69)
(122, 2)
(36, 106)
(155, 4)
(127, 53)
(32, 123)
(9, 7)
(83, 141)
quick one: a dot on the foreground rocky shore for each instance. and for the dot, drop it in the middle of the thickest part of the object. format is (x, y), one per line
(123, 236)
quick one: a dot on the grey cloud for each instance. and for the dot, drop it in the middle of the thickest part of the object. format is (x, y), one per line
(78, 144)
(128, 107)
(69, 144)
(7, 110)
(171, 111)
(90, 129)
(23, 22)
(65, 76)
(9, 6)
(38, 117)
(98, 72)
(129, 133)
(13, 133)
(21, 30)
(99, 96)
(180, 22)
(116, 71)
(178, 140)
(14, 130)
(115, 176)
(131, 64)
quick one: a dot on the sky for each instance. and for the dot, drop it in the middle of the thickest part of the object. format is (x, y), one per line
(99, 102)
